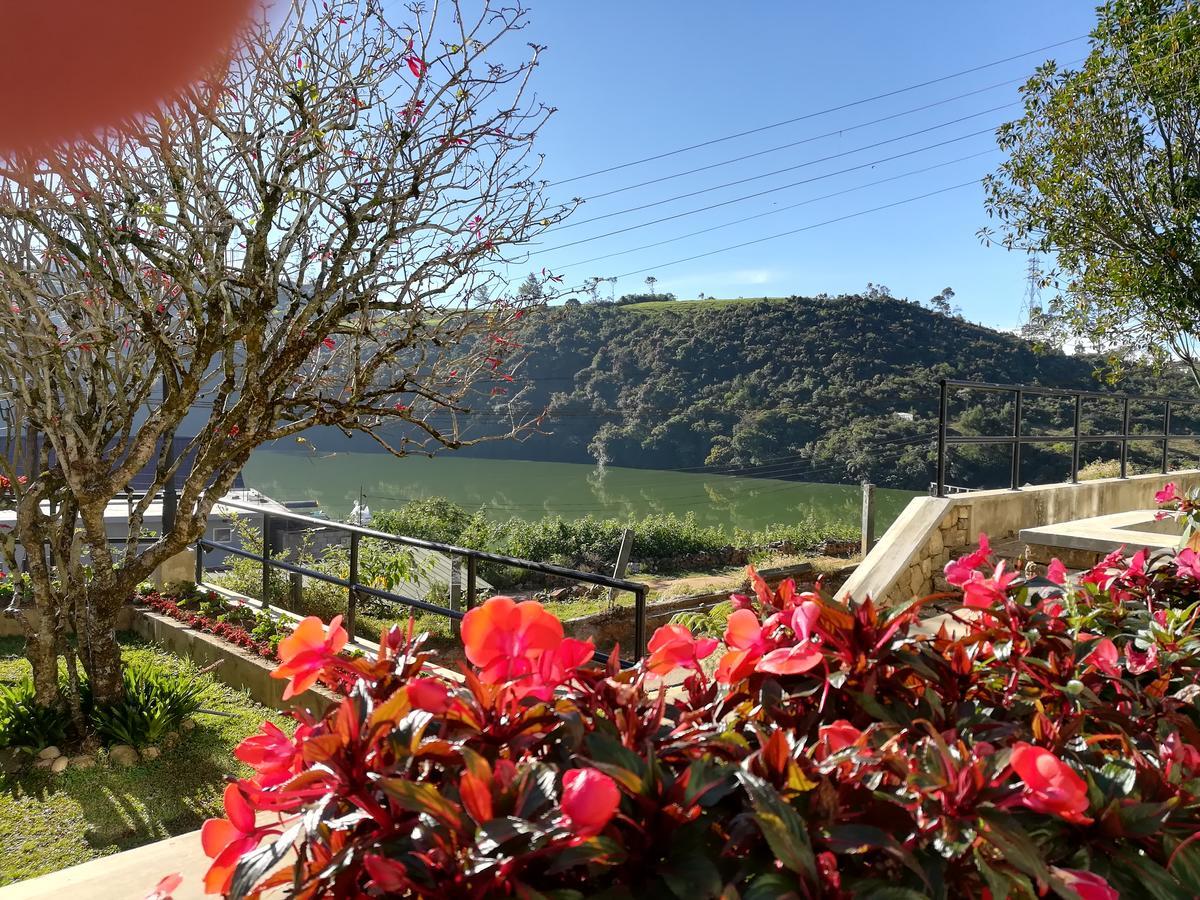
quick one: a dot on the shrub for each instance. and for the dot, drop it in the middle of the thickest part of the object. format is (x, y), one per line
(1046, 745)
(23, 724)
(1100, 468)
(155, 703)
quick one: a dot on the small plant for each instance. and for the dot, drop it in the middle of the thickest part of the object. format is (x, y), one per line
(155, 703)
(23, 724)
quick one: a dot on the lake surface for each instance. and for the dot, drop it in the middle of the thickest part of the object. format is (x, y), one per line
(530, 490)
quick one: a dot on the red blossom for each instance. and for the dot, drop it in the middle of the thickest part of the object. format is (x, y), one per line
(1167, 494)
(673, 647)
(959, 571)
(226, 840)
(980, 592)
(1051, 786)
(589, 801)
(307, 651)
(1088, 885)
(165, 887)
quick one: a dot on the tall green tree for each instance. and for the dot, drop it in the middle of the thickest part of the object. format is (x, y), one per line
(1103, 178)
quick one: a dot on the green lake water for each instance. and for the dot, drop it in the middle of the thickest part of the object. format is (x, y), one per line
(530, 490)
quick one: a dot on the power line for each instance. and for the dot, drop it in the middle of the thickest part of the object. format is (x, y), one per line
(837, 132)
(811, 162)
(772, 212)
(822, 112)
(769, 192)
(771, 237)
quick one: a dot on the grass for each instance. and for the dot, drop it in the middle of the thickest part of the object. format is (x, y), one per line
(49, 822)
(693, 305)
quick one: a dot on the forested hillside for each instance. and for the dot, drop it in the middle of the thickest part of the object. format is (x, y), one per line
(829, 389)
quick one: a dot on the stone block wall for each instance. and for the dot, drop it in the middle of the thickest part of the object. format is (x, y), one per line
(908, 560)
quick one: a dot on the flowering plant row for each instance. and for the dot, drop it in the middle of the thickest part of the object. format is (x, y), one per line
(235, 634)
(1041, 741)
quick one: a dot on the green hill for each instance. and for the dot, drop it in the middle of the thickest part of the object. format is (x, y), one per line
(830, 389)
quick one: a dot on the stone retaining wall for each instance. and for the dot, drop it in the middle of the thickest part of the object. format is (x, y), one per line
(908, 560)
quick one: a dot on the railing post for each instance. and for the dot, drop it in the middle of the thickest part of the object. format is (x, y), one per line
(1075, 448)
(639, 622)
(352, 596)
(456, 593)
(266, 548)
(472, 574)
(1016, 447)
(1166, 463)
(199, 561)
(940, 490)
(868, 517)
(1125, 439)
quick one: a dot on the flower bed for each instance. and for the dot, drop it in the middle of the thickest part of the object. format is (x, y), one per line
(228, 631)
(1044, 745)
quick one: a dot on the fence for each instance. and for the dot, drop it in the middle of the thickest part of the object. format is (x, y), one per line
(462, 556)
(1017, 438)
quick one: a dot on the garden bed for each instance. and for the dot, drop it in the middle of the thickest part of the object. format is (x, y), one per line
(49, 821)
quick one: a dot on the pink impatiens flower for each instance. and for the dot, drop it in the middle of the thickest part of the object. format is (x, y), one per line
(980, 592)
(1104, 657)
(958, 571)
(1167, 494)
(226, 840)
(1051, 786)
(1088, 885)
(1056, 571)
(589, 801)
(306, 651)
(673, 647)
(1187, 562)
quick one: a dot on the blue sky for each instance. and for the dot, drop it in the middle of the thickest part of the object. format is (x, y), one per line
(633, 79)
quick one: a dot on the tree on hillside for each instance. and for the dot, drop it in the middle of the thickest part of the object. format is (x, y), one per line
(299, 243)
(1103, 174)
(651, 281)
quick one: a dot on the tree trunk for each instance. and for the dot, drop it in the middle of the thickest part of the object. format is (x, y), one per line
(41, 647)
(103, 662)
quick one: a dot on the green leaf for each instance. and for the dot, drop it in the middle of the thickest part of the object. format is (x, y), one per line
(1185, 863)
(878, 890)
(254, 867)
(423, 797)
(1004, 833)
(782, 827)
(595, 851)
(508, 836)
(692, 877)
(772, 887)
(860, 838)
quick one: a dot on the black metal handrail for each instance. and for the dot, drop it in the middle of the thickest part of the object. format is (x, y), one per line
(1016, 439)
(355, 588)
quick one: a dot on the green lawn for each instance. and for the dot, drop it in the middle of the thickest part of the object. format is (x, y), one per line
(49, 822)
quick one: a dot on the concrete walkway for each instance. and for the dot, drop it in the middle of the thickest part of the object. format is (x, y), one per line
(123, 876)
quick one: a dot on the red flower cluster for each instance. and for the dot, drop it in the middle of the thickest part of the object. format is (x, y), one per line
(1048, 744)
(235, 634)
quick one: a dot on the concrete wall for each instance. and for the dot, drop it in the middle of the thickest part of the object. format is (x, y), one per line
(908, 560)
(237, 668)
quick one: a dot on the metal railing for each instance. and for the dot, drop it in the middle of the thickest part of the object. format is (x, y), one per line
(1017, 438)
(356, 589)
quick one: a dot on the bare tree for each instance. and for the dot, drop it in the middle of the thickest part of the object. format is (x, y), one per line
(309, 240)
